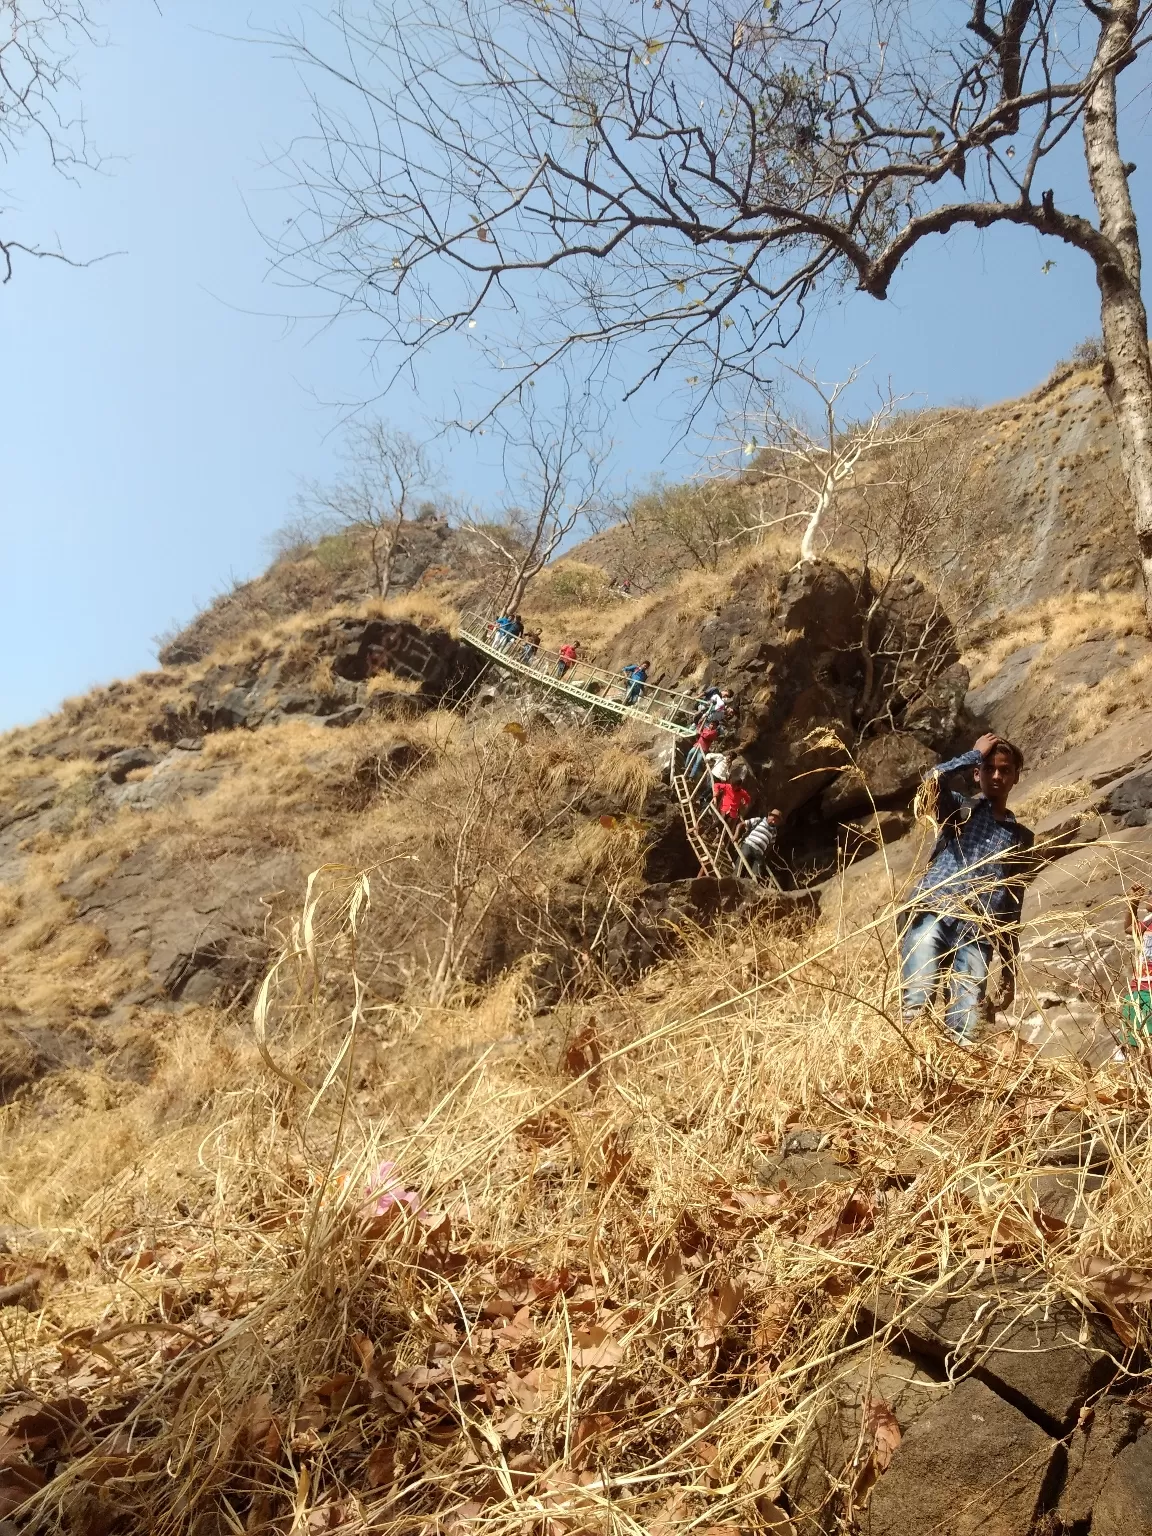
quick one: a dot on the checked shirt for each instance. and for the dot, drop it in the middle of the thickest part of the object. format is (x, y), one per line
(978, 865)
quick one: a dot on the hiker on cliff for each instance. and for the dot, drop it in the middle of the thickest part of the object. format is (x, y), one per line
(694, 763)
(760, 837)
(502, 637)
(566, 658)
(530, 646)
(732, 800)
(708, 701)
(637, 675)
(715, 771)
(967, 903)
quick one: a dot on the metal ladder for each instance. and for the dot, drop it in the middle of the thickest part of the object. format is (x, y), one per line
(696, 839)
(709, 835)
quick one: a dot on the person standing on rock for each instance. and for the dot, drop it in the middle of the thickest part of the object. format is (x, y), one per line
(967, 903)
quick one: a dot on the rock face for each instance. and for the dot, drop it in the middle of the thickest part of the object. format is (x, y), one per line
(970, 1464)
(1124, 1506)
(1033, 1350)
(819, 675)
(263, 691)
(1028, 1443)
(887, 768)
(1092, 1452)
(202, 928)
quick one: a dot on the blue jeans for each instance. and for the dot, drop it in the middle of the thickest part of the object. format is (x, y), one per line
(936, 949)
(633, 695)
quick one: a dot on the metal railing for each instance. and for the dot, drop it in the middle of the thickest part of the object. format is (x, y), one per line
(592, 687)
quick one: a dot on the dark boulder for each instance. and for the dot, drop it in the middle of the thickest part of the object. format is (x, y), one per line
(819, 665)
(969, 1464)
(121, 764)
(1038, 1351)
(885, 768)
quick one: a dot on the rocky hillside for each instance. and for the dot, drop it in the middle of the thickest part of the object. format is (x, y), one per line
(399, 1136)
(1053, 517)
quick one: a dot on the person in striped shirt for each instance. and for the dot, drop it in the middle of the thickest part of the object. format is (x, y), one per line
(761, 834)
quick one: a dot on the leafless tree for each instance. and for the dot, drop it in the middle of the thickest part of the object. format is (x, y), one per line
(388, 473)
(699, 523)
(700, 170)
(39, 96)
(817, 460)
(553, 459)
(911, 521)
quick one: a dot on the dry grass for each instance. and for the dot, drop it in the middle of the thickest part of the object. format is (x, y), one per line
(590, 1317)
(1054, 629)
(1050, 797)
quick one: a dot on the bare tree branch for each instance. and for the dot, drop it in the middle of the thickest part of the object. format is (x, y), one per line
(554, 174)
(39, 100)
(553, 460)
(388, 472)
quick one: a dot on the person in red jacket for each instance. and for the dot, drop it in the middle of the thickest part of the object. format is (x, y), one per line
(732, 800)
(567, 658)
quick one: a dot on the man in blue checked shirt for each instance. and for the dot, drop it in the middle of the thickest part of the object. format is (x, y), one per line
(967, 904)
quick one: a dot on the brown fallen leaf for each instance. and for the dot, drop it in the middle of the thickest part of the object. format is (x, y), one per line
(716, 1311)
(380, 1467)
(582, 1053)
(18, 1482)
(614, 1149)
(885, 1431)
(591, 1429)
(498, 1306)
(854, 1216)
(774, 1518)
(595, 1349)
(1116, 1283)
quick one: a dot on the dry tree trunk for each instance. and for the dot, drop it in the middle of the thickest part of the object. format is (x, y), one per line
(1123, 318)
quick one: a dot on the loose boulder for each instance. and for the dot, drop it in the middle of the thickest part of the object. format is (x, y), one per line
(971, 1465)
(885, 768)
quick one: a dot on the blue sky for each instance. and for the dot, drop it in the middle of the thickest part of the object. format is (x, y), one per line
(157, 409)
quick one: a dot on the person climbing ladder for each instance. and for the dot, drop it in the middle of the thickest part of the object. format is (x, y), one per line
(761, 834)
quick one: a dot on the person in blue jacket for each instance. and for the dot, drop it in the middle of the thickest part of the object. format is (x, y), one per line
(966, 906)
(637, 675)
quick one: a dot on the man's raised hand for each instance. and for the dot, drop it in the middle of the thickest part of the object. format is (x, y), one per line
(986, 742)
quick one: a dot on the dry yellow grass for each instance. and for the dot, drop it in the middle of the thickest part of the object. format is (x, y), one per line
(586, 1313)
